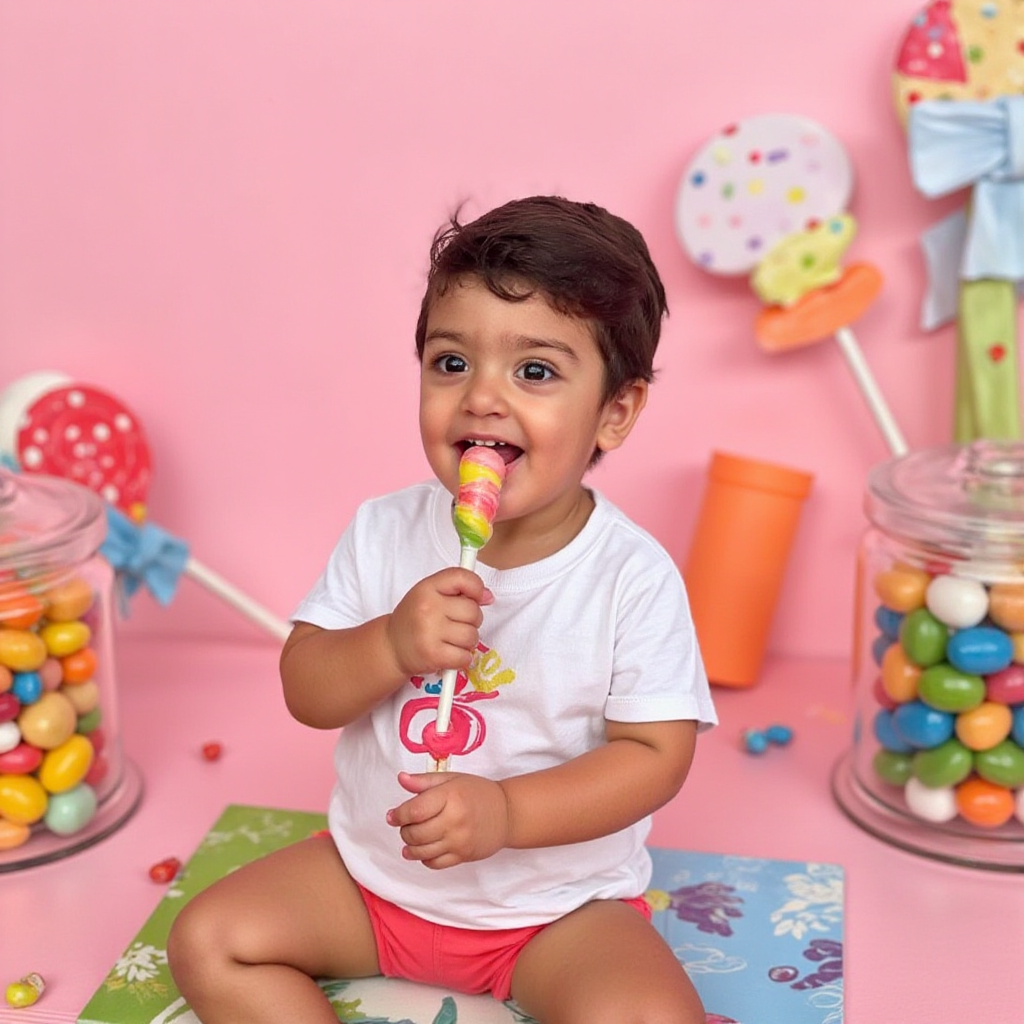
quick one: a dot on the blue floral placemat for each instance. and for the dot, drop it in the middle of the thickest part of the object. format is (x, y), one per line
(761, 939)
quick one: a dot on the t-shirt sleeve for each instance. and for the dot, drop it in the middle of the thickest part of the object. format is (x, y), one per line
(334, 600)
(658, 673)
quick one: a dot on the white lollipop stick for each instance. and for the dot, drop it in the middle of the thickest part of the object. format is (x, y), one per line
(869, 389)
(227, 592)
(481, 474)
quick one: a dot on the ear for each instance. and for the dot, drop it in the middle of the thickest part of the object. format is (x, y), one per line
(619, 414)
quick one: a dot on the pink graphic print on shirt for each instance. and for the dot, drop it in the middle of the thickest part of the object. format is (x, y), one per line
(467, 728)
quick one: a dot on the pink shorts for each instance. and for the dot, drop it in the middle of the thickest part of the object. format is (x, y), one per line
(463, 959)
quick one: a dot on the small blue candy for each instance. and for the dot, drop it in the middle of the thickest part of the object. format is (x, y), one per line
(27, 686)
(754, 741)
(780, 734)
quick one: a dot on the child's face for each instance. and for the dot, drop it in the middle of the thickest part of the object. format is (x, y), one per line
(526, 375)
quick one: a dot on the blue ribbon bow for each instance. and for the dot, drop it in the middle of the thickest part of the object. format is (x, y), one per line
(144, 555)
(954, 144)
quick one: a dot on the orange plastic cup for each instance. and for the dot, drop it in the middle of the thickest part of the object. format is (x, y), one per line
(737, 560)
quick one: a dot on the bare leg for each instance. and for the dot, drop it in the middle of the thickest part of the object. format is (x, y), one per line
(604, 964)
(248, 948)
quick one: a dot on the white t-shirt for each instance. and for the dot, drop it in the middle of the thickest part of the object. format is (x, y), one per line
(600, 629)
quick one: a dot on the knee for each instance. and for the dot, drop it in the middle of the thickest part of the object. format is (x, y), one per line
(196, 945)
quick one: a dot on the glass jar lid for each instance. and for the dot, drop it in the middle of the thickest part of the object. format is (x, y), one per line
(47, 521)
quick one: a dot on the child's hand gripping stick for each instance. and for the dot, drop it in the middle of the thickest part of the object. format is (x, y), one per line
(481, 474)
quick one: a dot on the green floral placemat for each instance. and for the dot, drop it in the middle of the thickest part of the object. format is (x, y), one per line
(762, 939)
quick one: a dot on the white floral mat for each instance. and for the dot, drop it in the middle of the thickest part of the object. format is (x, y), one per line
(761, 939)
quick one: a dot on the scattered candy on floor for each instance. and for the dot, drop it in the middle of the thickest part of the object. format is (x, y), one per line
(166, 870)
(25, 991)
(757, 741)
(212, 751)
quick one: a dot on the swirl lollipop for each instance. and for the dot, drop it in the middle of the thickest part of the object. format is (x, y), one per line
(766, 197)
(481, 474)
(957, 83)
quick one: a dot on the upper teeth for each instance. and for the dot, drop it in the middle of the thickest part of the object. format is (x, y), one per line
(488, 444)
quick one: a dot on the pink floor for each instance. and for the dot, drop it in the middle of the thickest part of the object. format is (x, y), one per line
(925, 942)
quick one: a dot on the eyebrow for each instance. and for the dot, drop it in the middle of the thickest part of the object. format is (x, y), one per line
(520, 343)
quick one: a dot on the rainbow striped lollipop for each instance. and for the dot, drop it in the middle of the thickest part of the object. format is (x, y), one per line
(481, 474)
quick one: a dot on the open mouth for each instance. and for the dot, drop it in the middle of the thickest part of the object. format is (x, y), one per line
(508, 452)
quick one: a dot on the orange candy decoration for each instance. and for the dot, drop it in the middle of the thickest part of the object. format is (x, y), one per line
(984, 803)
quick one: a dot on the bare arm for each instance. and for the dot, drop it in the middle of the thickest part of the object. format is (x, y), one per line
(332, 677)
(455, 818)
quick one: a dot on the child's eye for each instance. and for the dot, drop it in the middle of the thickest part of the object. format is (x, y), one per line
(451, 364)
(535, 371)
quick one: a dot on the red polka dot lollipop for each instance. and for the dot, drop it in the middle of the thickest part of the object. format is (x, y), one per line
(82, 433)
(53, 425)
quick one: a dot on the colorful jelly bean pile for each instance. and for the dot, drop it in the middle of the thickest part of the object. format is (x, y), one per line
(51, 745)
(950, 721)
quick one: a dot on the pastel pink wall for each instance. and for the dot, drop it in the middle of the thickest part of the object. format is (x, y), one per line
(220, 211)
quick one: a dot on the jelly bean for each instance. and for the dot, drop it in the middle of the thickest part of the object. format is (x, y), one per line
(921, 726)
(980, 650)
(945, 765)
(65, 766)
(957, 602)
(212, 751)
(984, 726)
(948, 689)
(1006, 606)
(879, 646)
(13, 833)
(52, 674)
(1006, 686)
(68, 600)
(10, 707)
(22, 760)
(902, 588)
(1002, 764)
(79, 667)
(98, 739)
(1017, 729)
(900, 676)
(20, 650)
(892, 767)
(887, 735)
(22, 799)
(90, 722)
(64, 638)
(881, 697)
(83, 696)
(1017, 639)
(6, 678)
(937, 805)
(97, 771)
(27, 687)
(779, 734)
(71, 811)
(48, 722)
(166, 870)
(25, 992)
(10, 736)
(923, 637)
(19, 609)
(754, 741)
(888, 621)
(983, 803)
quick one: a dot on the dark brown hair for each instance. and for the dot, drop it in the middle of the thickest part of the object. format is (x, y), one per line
(585, 261)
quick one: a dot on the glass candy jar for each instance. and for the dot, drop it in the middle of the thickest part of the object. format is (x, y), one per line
(937, 762)
(64, 780)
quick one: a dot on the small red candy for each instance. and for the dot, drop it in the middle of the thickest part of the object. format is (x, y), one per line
(212, 751)
(166, 871)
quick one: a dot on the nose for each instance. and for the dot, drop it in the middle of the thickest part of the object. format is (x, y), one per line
(484, 394)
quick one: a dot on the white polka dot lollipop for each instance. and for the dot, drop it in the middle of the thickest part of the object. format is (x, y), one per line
(766, 197)
(755, 183)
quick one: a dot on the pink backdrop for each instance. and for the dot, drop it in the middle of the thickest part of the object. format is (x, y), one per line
(220, 211)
